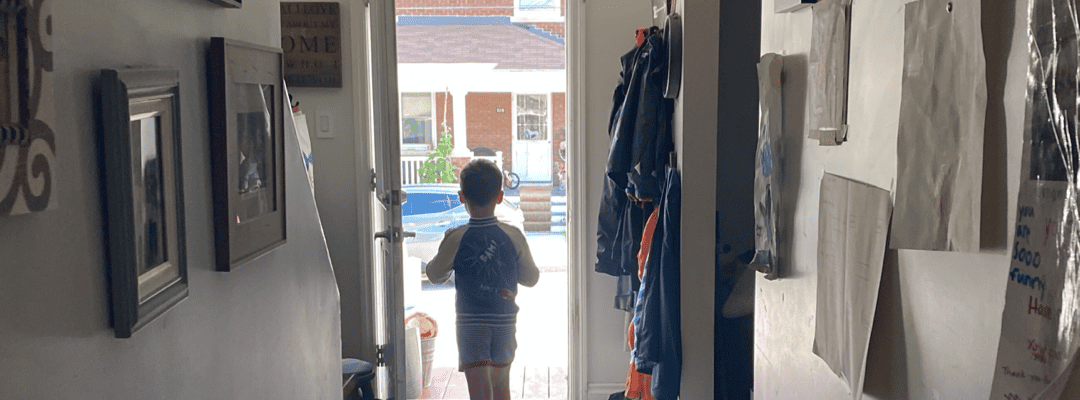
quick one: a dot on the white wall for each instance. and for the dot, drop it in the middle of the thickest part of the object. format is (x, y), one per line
(609, 33)
(268, 330)
(342, 183)
(938, 318)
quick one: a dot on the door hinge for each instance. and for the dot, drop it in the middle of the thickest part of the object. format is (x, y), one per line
(373, 179)
(380, 355)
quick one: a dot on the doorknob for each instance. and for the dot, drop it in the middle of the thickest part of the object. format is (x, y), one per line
(397, 234)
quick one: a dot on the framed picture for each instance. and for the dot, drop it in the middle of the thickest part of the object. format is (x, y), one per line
(144, 194)
(247, 150)
(228, 3)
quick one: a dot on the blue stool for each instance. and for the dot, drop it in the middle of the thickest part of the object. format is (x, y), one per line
(364, 372)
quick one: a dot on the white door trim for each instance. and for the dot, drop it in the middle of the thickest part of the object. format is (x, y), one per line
(578, 370)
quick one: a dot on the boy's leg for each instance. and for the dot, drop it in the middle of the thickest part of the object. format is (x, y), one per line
(500, 383)
(479, 379)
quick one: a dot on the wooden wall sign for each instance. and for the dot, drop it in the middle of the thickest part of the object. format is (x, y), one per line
(311, 40)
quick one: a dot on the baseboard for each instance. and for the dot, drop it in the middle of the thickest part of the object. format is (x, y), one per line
(601, 391)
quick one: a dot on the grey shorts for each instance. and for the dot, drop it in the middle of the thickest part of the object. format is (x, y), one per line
(483, 345)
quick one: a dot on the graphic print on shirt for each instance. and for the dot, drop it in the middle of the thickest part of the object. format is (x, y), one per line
(487, 268)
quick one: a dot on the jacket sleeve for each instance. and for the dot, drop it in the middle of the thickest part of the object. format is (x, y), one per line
(440, 266)
(528, 273)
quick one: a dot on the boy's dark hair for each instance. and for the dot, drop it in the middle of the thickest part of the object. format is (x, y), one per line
(480, 181)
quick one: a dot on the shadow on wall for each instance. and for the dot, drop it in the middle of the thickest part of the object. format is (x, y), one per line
(997, 29)
(794, 79)
(886, 357)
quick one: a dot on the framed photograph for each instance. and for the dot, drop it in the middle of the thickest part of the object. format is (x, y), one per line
(144, 194)
(247, 150)
(228, 3)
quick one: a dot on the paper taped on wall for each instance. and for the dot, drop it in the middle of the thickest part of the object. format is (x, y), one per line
(942, 115)
(853, 224)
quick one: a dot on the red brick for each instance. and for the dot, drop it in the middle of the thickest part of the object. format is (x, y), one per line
(489, 128)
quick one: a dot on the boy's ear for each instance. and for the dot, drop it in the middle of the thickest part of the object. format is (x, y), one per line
(461, 196)
(499, 197)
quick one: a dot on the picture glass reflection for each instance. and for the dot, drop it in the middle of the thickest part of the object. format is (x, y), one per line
(255, 127)
(150, 219)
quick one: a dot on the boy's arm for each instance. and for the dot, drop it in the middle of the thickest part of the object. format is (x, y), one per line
(528, 274)
(440, 266)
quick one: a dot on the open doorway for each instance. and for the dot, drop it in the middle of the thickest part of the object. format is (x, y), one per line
(484, 82)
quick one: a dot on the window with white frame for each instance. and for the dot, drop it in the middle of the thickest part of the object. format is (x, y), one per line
(540, 10)
(532, 117)
(417, 129)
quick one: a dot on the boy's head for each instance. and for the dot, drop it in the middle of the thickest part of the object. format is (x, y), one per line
(481, 183)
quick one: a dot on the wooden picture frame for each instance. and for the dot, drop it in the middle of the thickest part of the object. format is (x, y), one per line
(144, 194)
(228, 3)
(247, 140)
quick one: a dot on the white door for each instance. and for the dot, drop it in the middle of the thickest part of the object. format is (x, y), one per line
(532, 137)
(389, 235)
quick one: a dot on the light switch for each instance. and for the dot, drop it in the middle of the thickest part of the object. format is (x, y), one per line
(324, 126)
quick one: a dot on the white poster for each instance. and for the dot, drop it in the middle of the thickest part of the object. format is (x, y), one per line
(940, 139)
(853, 227)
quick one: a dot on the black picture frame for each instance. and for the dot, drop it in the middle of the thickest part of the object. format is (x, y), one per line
(142, 167)
(228, 3)
(247, 133)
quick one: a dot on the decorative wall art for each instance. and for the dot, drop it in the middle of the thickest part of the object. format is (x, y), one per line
(247, 150)
(311, 39)
(144, 192)
(27, 142)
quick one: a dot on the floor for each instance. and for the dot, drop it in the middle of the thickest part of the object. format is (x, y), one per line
(526, 382)
(539, 369)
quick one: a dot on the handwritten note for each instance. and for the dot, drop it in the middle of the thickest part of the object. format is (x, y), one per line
(853, 223)
(1039, 326)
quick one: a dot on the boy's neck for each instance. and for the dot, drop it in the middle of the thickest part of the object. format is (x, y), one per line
(481, 213)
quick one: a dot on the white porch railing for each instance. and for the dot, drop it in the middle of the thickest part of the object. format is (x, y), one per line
(411, 164)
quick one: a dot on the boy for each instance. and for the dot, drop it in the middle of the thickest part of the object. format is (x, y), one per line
(490, 259)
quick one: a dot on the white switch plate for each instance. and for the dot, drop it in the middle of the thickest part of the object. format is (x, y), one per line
(324, 125)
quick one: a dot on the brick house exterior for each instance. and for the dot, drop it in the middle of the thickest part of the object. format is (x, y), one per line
(460, 50)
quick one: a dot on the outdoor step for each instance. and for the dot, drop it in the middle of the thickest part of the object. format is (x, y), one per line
(537, 226)
(538, 216)
(535, 193)
(527, 206)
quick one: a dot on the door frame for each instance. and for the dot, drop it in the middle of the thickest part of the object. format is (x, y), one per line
(577, 236)
(515, 142)
(577, 197)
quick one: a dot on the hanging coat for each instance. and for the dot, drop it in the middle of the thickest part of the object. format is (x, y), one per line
(640, 132)
(657, 316)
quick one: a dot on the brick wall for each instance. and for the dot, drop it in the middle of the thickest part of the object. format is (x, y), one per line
(556, 28)
(487, 126)
(455, 7)
(559, 128)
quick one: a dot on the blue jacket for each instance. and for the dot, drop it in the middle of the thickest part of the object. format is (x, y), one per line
(640, 131)
(657, 317)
